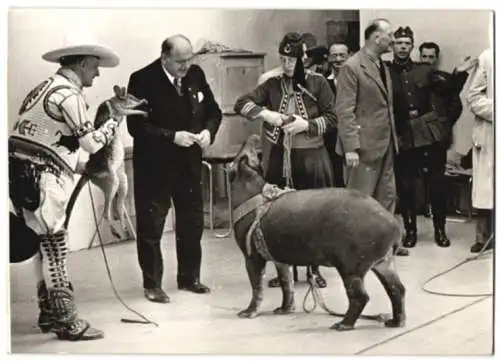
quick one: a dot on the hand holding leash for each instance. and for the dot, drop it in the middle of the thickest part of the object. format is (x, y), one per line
(296, 126)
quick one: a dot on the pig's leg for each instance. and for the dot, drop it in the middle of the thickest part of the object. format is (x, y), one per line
(358, 298)
(395, 289)
(286, 282)
(255, 268)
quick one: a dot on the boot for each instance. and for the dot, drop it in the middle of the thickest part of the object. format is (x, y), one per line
(410, 223)
(320, 280)
(66, 323)
(45, 315)
(440, 236)
(410, 238)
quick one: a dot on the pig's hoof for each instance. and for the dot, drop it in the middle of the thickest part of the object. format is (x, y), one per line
(342, 326)
(393, 323)
(284, 310)
(247, 313)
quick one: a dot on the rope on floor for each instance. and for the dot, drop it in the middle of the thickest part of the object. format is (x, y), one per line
(481, 253)
(144, 320)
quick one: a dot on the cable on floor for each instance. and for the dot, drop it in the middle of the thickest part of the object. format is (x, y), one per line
(144, 320)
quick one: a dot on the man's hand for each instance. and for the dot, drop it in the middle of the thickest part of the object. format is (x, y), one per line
(297, 126)
(203, 139)
(352, 159)
(467, 64)
(453, 158)
(272, 117)
(185, 138)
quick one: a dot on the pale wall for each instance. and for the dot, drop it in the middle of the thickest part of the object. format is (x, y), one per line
(136, 36)
(459, 33)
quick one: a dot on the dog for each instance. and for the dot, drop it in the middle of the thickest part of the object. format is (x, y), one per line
(106, 167)
(333, 227)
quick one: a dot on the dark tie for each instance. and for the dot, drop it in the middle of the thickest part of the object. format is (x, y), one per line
(382, 73)
(178, 86)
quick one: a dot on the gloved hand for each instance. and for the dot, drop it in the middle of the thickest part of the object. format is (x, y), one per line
(272, 117)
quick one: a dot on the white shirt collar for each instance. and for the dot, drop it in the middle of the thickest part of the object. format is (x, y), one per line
(170, 77)
(70, 75)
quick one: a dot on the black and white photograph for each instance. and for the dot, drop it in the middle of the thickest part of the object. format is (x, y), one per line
(313, 180)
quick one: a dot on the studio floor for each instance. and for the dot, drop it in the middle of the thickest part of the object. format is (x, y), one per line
(436, 324)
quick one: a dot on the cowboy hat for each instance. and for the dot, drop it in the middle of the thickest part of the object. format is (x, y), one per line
(107, 58)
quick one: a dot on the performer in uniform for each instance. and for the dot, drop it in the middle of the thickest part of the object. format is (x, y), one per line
(426, 106)
(297, 107)
(52, 128)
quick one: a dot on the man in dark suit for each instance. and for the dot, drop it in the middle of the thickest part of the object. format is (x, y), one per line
(367, 134)
(182, 120)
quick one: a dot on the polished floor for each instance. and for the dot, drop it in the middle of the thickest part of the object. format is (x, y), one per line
(436, 324)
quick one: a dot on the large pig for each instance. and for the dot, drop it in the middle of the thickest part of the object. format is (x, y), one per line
(332, 227)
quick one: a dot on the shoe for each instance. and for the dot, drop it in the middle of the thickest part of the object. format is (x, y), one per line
(274, 282)
(410, 238)
(156, 295)
(78, 330)
(196, 286)
(441, 239)
(477, 247)
(402, 252)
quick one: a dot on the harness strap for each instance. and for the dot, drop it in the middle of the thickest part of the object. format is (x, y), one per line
(261, 204)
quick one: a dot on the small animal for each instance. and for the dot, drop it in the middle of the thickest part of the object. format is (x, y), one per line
(333, 227)
(106, 167)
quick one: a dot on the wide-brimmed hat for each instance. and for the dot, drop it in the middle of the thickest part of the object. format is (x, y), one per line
(83, 46)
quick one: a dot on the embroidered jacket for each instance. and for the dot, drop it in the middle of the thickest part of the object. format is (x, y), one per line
(314, 103)
(53, 124)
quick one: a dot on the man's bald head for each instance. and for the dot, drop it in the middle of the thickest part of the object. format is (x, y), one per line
(177, 55)
(176, 43)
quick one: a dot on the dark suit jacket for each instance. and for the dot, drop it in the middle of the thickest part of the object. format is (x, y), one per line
(153, 135)
(364, 109)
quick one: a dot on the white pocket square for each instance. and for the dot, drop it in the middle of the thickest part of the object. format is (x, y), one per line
(200, 96)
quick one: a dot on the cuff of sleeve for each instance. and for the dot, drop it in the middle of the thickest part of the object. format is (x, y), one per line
(250, 110)
(317, 126)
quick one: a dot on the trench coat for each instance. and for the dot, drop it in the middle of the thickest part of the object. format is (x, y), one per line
(479, 99)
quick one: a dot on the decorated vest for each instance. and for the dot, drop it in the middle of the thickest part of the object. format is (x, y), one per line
(41, 132)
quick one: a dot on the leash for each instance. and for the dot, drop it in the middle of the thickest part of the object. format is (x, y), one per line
(318, 300)
(144, 320)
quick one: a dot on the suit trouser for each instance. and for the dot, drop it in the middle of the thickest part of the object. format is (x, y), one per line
(429, 162)
(153, 194)
(337, 161)
(376, 179)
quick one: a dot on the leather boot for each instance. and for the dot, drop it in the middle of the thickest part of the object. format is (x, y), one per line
(440, 236)
(66, 323)
(410, 224)
(45, 315)
(410, 238)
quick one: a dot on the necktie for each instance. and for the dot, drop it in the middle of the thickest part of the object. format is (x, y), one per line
(382, 73)
(178, 86)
